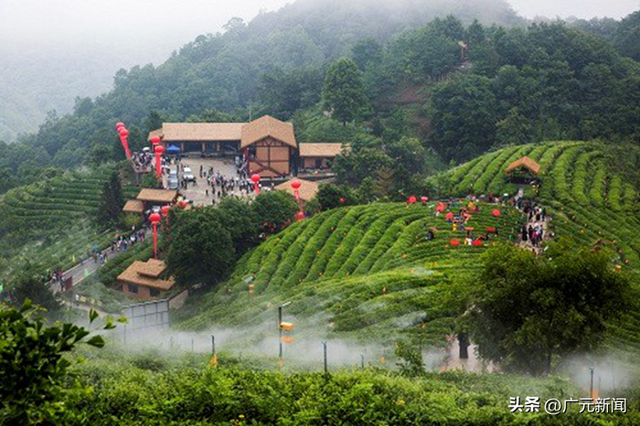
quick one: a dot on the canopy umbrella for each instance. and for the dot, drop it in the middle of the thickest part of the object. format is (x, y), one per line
(172, 149)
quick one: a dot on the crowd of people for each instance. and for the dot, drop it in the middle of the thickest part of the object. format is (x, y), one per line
(534, 231)
(141, 160)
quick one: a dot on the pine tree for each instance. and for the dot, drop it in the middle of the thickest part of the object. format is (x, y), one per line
(111, 202)
(344, 93)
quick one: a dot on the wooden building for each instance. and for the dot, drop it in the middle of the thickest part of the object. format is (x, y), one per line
(524, 170)
(268, 145)
(318, 156)
(143, 280)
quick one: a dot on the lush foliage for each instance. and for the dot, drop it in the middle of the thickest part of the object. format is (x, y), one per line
(343, 93)
(528, 311)
(200, 248)
(152, 388)
(111, 201)
(51, 224)
(274, 210)
(579, 183)
(361, 271)
(34, 389)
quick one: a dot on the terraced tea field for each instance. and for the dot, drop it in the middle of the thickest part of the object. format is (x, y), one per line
(52, 223)
(589, 190)
(363, 272)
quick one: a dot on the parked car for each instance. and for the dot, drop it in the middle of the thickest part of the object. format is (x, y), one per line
(187, 175)
(172, 183)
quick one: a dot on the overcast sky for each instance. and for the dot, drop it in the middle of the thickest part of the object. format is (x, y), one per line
(178, 21)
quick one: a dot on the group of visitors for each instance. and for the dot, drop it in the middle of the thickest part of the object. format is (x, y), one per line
(122, 243)
(141, 160)
(534, 231)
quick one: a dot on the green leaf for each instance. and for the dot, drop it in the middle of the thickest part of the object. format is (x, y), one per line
(93, 315)
(96, 341)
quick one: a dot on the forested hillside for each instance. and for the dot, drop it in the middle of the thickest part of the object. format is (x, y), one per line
(522, 85)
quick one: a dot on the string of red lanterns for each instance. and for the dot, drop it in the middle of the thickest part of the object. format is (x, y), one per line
(124, 138)
(155, 220)
(159, 150)
(296, 184)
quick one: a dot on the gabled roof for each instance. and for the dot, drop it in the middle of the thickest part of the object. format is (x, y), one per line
(133, 206)
(157, 195)
(321, 149)
(308, 189)
(146, 274)
(267, 126)
(199, 132)
(525, 162)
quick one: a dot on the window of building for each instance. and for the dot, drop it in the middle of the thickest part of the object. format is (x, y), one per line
(132, 288)
(154, 293)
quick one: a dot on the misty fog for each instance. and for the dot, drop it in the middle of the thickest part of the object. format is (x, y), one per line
(55, 50)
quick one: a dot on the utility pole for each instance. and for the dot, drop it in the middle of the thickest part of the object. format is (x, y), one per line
(213, 344)
(326, 370)
(362, 361)
(280, 308)
(591, 387)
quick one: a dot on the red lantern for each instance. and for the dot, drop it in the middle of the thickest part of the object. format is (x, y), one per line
(159, 150)
(182, 204)
(155, 140)
(299, 216)
(440, 207)
(454, 242)
(119, 125)
(449, 216)
(342, 200)
(255, 178)
(477, 243)
(165, 210)
(296, 184)
(155, 220)
(124, 139)
(424, 199)
(496, 213)
(412, 200)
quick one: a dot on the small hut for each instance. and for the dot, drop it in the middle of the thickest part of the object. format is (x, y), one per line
(523, 170)
(143, 279)
(134, 207)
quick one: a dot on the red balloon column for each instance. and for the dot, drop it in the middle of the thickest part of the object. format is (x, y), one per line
(124, 138)
(255, 178)
(155, 220)
(159, 150)
(296, 184)
(155, 140)
(496, 213)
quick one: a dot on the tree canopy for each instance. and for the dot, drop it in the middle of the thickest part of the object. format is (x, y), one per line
(527, 311)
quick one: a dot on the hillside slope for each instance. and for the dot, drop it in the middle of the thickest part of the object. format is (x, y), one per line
(367, 272)
(590, 192)
(52, 223)
(363, 271)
